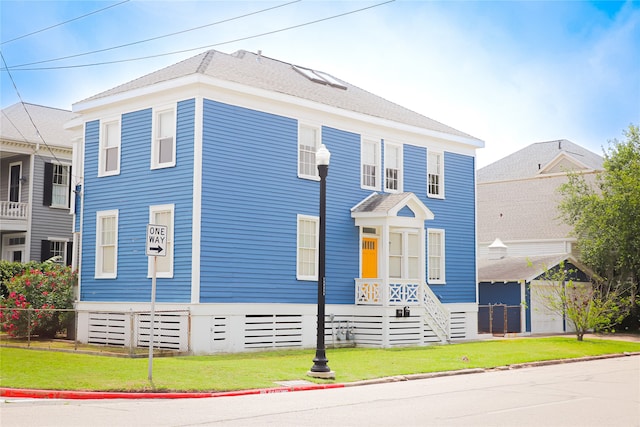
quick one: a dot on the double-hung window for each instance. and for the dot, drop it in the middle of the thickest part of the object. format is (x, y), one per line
(163, 215)
(435, 175)
(370, 164)
(308, 143)
(307, 244)
(57, 185)
(404, 254)
(435, 248)
(393, 167)
(106, 266)
(109, 156)
(163, 148)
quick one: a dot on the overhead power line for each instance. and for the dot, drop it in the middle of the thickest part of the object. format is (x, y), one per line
(158, 37)
(33, 123)
(65, 22)
(20, 68)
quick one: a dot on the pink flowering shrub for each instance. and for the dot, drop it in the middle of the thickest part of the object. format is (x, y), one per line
(40, 290)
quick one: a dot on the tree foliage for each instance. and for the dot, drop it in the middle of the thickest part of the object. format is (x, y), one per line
(606, 217)
(587, 306)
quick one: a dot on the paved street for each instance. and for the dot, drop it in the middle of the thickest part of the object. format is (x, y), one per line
(594, 393)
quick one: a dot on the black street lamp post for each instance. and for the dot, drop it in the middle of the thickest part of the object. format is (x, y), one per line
(320, 369)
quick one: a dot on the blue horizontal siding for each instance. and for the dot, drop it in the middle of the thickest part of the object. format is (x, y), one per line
(250, 207)
(456, 215)
(132, 192)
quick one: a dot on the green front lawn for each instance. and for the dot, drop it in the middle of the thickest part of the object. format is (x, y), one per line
(37, 369)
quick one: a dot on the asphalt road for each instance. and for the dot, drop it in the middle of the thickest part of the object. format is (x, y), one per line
(595, 393)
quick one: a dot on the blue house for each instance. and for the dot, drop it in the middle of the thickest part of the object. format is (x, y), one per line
(220, 148)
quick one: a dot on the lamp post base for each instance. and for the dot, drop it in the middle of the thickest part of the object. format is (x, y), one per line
(328, 375)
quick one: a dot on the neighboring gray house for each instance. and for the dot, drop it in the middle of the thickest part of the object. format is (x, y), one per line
(36, 222)
(520, 233)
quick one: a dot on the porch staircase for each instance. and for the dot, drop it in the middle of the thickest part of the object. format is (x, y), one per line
(435, 313)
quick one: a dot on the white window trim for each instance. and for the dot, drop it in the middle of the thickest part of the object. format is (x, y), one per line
(20, 181)
(443, 276)
(67, 187)
(405, 251)
(316, 220)
(65, 242)
(155, 147)
(440, 154)
(170, 248)
(388, 145)
(98, 259)
(101, 147)
(376, 143)
(318, 129)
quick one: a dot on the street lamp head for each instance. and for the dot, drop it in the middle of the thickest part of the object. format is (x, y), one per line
(322, 156)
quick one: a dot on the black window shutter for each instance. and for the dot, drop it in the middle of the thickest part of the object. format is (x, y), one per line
(45, 250)
(70, 187)
(48, 184)
(69, 252)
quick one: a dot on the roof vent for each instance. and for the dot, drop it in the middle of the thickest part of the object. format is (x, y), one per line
(497, 250)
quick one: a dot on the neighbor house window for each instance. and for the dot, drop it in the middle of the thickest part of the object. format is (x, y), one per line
(163, 215)
(435, 247)
(56, 250)
(404, 255)
(393, 167)
(110, 148)
(435, 176)
(370, 164)
(308, 143)
(307, 244)
(106, 244)
(163, 149)
(57, 185)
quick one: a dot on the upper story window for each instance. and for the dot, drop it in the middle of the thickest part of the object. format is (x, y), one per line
(106, 266)
(435, 244)
(163, 215)
(308, 143)
(163, 147)
(435, 175)
(57, 185)
(109, 148)
(370, 164)
(307, 248)
(393, 167)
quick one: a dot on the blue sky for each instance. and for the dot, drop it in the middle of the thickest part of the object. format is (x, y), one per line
(510, 73)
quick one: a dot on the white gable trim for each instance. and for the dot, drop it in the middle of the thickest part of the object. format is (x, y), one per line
(559, 158)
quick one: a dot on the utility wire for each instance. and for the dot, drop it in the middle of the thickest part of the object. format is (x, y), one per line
(63, 23)
(27, 111)
(158, 37)
(17, 68)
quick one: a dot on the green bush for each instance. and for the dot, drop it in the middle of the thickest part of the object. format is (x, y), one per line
(41, 290)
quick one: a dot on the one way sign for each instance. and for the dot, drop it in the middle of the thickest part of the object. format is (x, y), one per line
(156, 240)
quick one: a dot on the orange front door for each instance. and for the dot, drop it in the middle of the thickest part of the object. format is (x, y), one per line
(369, 258)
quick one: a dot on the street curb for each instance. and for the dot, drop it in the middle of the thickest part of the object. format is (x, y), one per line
(72, 394)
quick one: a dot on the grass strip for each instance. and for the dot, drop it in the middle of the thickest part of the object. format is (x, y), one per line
(52, 370)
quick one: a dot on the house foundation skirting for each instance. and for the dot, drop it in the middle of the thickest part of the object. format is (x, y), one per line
(232, 328)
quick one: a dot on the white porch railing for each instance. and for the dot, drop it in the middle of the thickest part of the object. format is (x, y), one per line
(14, 210)
(405, 292)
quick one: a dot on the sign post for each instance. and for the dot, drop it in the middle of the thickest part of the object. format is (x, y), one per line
(156, 246)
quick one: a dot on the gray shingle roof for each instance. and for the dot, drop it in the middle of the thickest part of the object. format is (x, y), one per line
(528, 162)
(15, 125)
(380, 203)
(512, 269)
(273, 75)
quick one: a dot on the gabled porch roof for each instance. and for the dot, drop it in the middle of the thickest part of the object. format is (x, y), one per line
(388, 205)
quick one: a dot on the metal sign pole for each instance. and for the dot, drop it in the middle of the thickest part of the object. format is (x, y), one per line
(152, 316)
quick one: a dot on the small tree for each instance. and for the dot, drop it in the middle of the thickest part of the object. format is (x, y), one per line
(33, 296)
(587, 306)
